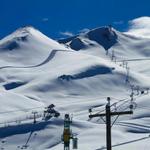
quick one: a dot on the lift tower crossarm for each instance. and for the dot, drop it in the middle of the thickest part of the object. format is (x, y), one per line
(112, 114)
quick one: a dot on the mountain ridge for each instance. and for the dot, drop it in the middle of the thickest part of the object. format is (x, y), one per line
(74, 75)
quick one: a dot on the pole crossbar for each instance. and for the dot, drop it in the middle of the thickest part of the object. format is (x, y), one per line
(112, 114)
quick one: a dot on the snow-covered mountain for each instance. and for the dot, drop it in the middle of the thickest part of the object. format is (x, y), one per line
(74, 74)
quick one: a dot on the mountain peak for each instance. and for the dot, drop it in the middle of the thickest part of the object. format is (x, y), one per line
(19, 34)
(25, 34)
(105, 36)
(25, 29)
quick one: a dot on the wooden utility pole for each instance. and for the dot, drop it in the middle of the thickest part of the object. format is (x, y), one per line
(108, 115)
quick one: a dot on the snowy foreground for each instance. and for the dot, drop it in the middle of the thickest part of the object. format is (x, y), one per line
(74, 74)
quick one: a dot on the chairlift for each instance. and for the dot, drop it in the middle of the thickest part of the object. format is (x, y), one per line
(50, 112)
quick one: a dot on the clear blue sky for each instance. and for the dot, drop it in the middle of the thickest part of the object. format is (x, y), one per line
(55, 16)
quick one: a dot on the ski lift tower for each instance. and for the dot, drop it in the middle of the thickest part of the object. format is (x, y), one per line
(68, 135)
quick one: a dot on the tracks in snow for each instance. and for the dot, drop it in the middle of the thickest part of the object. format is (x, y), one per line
(48, 59)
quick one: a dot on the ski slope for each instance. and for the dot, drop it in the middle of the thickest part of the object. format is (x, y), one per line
(74, 74)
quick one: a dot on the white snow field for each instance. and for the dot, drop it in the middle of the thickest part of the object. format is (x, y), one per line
(74, 74)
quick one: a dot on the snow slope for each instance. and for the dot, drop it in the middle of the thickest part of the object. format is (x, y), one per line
(75, 74)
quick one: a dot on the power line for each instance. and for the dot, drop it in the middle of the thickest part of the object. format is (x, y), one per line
(136, 59)
(108, 115)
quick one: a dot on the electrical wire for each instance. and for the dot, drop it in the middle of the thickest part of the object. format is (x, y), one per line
(115, 120)
(136, 59)
(125, 100)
